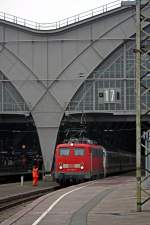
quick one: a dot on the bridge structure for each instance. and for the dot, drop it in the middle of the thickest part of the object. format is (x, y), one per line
(84, 63)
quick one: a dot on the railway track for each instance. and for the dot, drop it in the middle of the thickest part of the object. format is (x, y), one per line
(15, 200)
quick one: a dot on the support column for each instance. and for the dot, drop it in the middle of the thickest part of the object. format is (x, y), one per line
(138, 104)
(47, 138)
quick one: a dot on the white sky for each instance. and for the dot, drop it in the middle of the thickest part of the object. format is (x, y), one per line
(44, 11)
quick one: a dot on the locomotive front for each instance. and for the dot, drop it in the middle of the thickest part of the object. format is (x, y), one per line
(72, 163)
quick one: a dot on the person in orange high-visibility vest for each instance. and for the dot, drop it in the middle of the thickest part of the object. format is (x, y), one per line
(35, 175)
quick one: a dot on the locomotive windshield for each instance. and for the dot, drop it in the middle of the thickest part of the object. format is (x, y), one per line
(64, 151)
(79, 151)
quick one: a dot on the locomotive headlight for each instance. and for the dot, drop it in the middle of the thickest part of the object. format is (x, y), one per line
(60, 167)
(81, 167)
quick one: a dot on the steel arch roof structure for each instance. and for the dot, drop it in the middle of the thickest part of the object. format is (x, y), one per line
(47, 67)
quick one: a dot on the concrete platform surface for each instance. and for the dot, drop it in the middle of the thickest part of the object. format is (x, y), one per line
(119, 207)
(109, 201)
(15, 189)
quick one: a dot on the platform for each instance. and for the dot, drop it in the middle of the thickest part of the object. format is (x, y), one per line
(109, 201)
(15, 189)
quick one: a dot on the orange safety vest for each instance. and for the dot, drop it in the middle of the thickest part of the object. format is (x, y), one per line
(35, 173)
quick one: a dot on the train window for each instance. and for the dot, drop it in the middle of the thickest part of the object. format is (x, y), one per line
(100, 153)
(64, 151)
(78, 151)
(95, 152)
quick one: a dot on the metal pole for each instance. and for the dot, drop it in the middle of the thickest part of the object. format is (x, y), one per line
(22, 179)
(138, 105)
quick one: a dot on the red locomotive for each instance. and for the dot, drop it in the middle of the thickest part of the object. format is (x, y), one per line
(81, 161)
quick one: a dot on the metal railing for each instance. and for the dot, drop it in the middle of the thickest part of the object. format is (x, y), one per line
(87, 107)
(61, 23)
(12, 107)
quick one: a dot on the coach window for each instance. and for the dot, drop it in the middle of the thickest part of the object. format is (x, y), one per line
(64, 151)
(78, 151)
